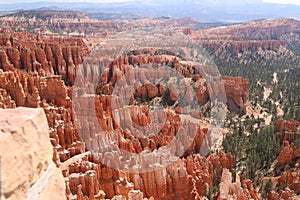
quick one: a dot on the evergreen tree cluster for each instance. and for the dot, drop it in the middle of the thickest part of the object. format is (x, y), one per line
(255, 152)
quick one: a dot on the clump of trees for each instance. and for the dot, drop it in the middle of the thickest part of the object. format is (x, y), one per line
(255, 152)
(285, 92)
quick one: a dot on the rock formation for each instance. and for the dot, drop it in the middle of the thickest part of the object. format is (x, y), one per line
(47, 55)
(72, 23)
(238, 190)
(288, 157)
(237, 93)
(287, 129)
(27, 170)
(288, 134)
(236, 87)
(266, 39)
(195, 173)
(268, 29)
(39, 72)
(285, 194)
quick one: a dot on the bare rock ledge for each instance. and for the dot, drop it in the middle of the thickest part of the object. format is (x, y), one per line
(27, 170)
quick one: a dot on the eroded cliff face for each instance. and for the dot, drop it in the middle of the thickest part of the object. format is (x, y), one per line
(78, 24)
(40, 73)
(267, 29)
(236, 88)
(185, 179)
(237, 92)
(20, 88)
(46, 55)
(58, 23)
(190, 176)
(269, 40)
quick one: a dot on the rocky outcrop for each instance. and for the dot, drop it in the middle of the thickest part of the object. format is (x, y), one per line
(42, 54)
(288, 157)
(25, 137)
(287, 154)
(56, 23)
(177, 180)
(236, 87)
(71, 23)
(63, 135)
(29, 89)
(288, 130)
(267, 29)
(288, 134)
(286, 125)
(267, 39)
(290, 179)
(237, 92)
(238, 190)
(285, 194)
(6, 100)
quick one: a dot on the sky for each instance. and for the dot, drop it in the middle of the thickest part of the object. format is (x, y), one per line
(283, 1)
(29, 1)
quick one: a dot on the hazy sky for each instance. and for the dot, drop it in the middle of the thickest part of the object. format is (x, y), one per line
(28, 1)
(284, 1)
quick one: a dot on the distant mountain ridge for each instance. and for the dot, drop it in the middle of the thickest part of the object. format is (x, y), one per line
(238, 43)
(42, 14)
(80, 24)
(209, 11)
(52, 8)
